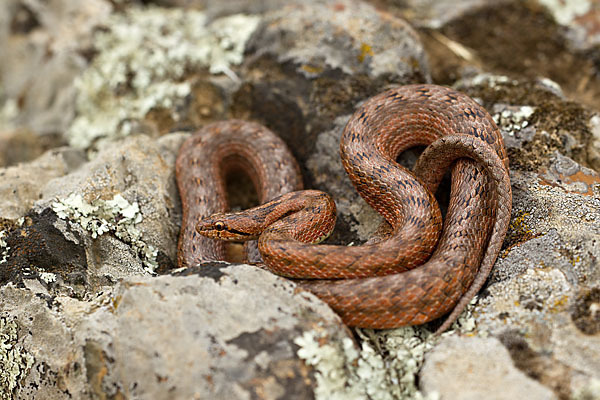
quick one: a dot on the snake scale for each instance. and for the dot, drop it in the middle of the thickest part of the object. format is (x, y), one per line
(408, 273)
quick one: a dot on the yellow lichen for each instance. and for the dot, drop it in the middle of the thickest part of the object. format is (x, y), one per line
(365, 50)
(115, 301)
(518, 232)
(559, 304)
(311, 69)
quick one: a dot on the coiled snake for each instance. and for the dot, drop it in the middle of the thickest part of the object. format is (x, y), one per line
(374, 285)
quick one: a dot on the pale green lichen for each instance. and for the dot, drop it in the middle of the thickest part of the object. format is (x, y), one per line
(385, 368)
(551, 85)
(333, 364)
(490, 80)
(514, 119)
(15, 362)
(4, 248)
(143, 57)
(8, 112)
(565, 11)
(116, 215)
(47, 277)
(589, 391)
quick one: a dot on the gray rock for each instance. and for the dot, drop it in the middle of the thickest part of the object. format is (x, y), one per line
(45, 54)
(579, 18)
(536, 120)
(137, 168)
(220, 332)
(541, 293)
(22, 145)
(546, 39)
(464, 368)
(116, 193)
(326, 168)
(23, 184)
(333, 39)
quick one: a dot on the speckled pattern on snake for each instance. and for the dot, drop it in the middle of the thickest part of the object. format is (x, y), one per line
(393, 279)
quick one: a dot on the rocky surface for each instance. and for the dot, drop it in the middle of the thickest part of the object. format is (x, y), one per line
(94, 103)
(472, 368)
(165, 337)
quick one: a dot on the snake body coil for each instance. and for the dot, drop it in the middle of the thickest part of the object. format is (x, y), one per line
(381, 288)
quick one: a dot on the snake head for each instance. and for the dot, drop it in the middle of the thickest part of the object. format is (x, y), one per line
(226, 227)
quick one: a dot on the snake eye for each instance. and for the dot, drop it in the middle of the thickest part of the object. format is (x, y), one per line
(219, 226)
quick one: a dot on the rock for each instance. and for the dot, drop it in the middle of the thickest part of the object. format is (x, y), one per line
(223, 332)
(545, 38)
(145, 75)
(22, 145)
(22, 185)
(309, 65)
(536, 120)
(579, 17)
(472, 368)
(46, 56)
(75, 210)
(541, 290)
(136, 169)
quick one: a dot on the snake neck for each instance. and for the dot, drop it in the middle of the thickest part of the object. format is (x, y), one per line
(307, 216)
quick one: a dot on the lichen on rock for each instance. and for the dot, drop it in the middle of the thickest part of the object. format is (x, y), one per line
(342, 372)
(101, 216)
(15, 361)
(3, 247)
(566, 11)
(385, 368)
(143, 58)
(8, 111)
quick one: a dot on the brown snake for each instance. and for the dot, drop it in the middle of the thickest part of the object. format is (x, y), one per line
(374, 285)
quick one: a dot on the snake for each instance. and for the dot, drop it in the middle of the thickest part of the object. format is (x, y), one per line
(417, 267)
